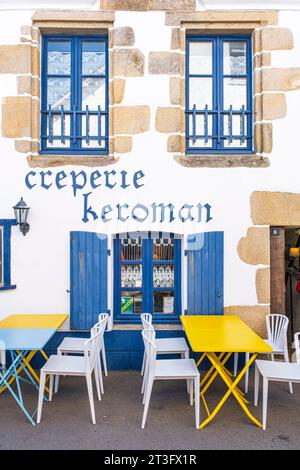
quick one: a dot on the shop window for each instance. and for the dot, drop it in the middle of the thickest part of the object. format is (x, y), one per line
(74, 114)
(147, 278)
(5, 254)
(219, 95)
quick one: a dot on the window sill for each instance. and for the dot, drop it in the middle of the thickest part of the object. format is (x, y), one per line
(8, 287)
(45, 161)
(222, 161)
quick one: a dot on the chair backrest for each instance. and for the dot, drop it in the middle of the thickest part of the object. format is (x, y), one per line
(103, 317)
(297, 346)
(150, 348)
(92, 346)
(277, 326)
(146, 319)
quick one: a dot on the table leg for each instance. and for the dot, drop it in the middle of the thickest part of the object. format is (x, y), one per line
(232, 385)
(6, 380)
(26, 360)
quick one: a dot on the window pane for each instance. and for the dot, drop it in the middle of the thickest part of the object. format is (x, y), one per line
(163, 249)
(235, 93)
(200, 58)
(59, 57)
(1, 256)
(131, 249)
(59, 92)
(56, 131)
(236, 130)
(235, 58)
(93, 93)
(200, 92)
(200, 130)
(163, 302)
(163, 275)
(131, 302)
(93, 58)
(93, 131)
(131, 275)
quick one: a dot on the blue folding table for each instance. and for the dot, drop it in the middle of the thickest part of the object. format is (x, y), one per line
(20, 342)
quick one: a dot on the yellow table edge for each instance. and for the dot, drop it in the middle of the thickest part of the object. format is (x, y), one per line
(53, 320)
(262, 348)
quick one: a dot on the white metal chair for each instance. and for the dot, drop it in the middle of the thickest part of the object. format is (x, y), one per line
(276, 372)
(277, 326)
(169, 369)
(71, 345)
(164, 345)
(74, 366)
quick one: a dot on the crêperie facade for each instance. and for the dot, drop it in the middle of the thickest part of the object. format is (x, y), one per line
(156, 145)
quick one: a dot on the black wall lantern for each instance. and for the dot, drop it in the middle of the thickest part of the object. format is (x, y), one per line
(21, 212)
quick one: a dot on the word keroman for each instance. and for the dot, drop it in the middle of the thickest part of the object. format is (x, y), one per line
(79, 181)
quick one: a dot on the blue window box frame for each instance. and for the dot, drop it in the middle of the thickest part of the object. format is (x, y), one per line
(217, 98)
(147, 285)
(76, 96)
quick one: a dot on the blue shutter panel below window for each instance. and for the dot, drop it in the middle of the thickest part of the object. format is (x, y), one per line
(88, 278)
(205, 273)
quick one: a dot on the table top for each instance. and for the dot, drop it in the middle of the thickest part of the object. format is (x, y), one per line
(25, 339)
(34, 321)
(222, 333)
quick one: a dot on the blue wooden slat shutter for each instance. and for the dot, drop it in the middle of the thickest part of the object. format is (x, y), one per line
(88, 278)
(205, 273)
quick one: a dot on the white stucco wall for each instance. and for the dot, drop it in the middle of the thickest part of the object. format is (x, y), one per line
(40, 261)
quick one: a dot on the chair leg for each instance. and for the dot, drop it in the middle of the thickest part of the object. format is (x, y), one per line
(143, 364)
(91, 397)
(247, 358)
(147, 400)
(145, 380)
(97, 379)
(265, 402)
(100, 376)
(191, 392)
(291, 387)
(235, 363)
(197, 401)
(104, 359)
(256, 385)
(185, 355)
(51, 387)
(41, 396)
(57, 377)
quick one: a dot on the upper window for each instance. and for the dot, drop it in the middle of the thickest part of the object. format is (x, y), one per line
(219, 94)
(147, 278)
(74, 115)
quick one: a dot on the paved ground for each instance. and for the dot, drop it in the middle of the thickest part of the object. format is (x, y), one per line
(66, 421)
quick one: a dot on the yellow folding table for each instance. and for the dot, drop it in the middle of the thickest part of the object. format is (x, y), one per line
(32, 321)
(217, 337)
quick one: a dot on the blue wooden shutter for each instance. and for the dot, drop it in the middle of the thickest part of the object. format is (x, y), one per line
(88, 278)
(205, 273)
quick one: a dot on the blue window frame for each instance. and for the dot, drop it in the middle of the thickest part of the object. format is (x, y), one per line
(74, 114)
(147, 278)
(5, 254)
(219, 95)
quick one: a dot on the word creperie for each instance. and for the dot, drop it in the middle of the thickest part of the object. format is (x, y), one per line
(155, 212)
